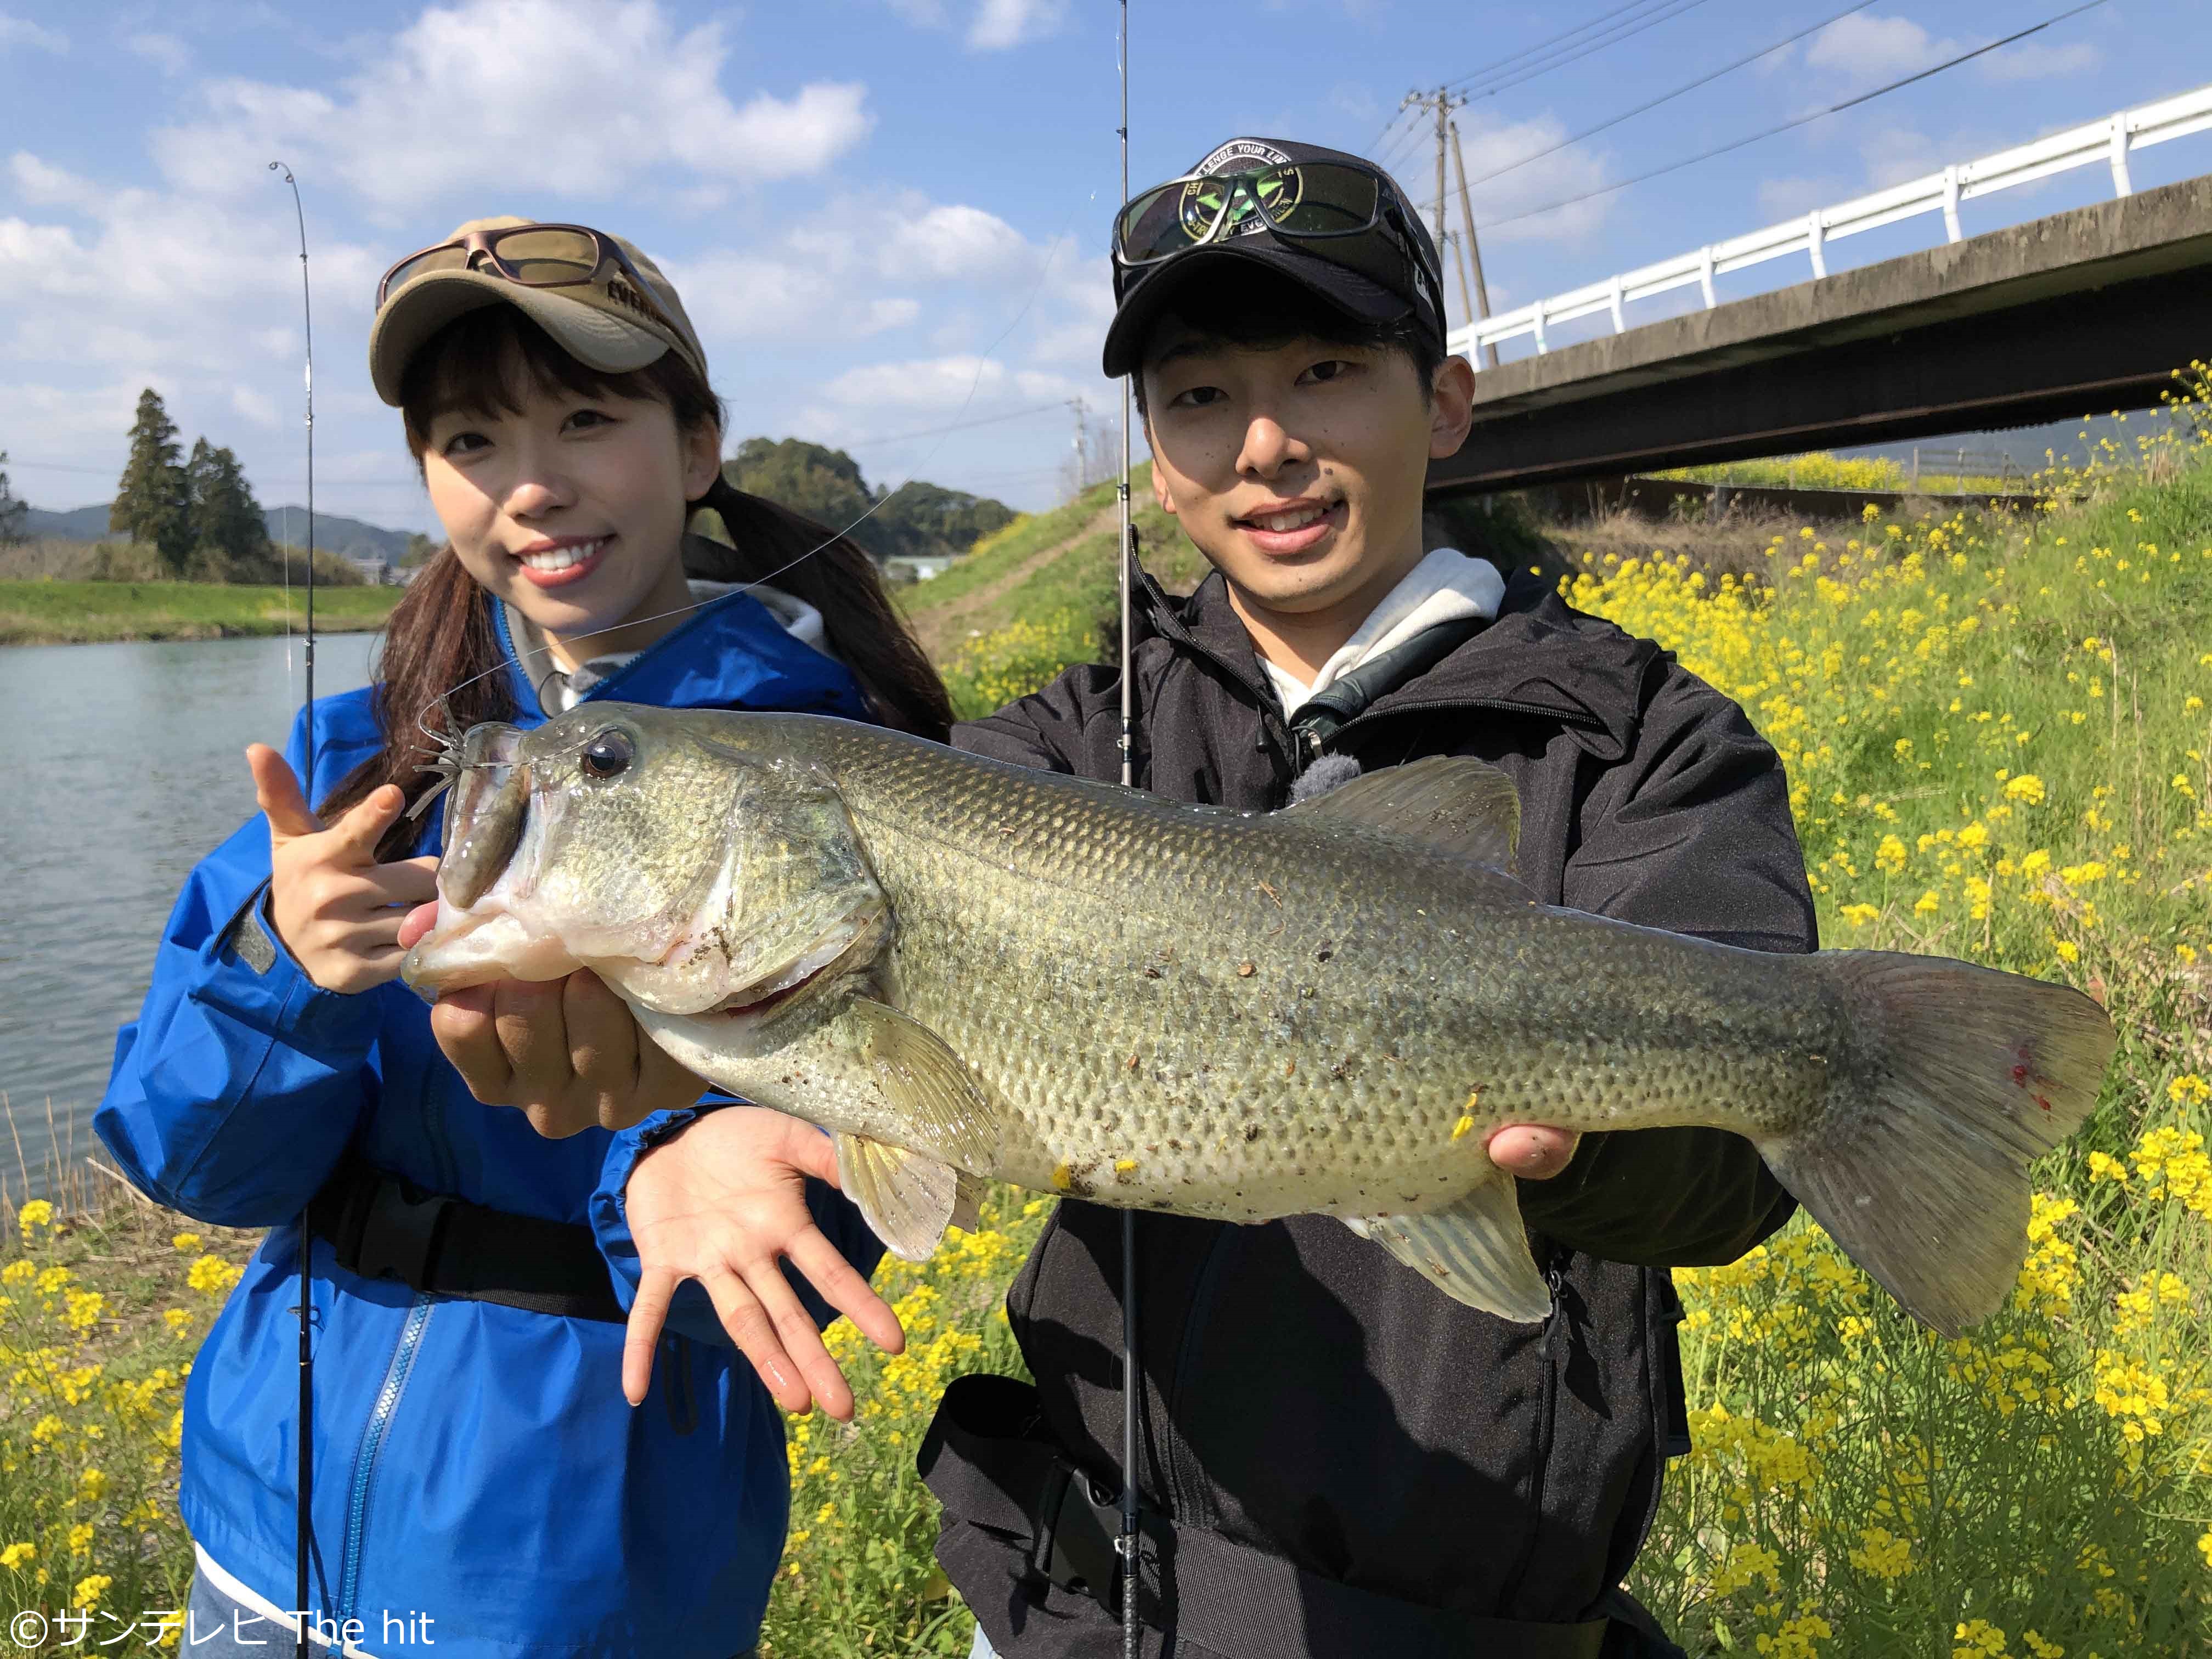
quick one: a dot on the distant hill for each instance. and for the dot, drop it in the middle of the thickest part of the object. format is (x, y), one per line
(349, 538)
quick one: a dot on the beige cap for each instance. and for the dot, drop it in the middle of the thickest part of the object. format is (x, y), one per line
(594, 324)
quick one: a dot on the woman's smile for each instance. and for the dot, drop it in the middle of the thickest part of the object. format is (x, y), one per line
(560, 560)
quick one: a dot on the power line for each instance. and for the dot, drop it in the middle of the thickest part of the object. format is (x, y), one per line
(1511, 58)
(1786, 126)
(1664, 97)
(1666, 11)
(1669, 10)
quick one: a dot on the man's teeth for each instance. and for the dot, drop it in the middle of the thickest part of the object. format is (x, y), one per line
(1295, 520)
(561, 557)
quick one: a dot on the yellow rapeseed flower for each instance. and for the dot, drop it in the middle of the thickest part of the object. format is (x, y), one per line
(33, 1217)
(14, 1555)
(186, 1242)
(89, 1590)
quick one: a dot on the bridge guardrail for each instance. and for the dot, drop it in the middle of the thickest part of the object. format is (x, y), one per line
(2108, 143)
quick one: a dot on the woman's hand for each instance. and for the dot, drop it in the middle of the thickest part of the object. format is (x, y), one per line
(337, 909)
(725, 1202)
(568, 1052)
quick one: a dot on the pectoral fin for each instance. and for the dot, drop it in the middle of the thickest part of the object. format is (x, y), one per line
(968, 1203)
(1474, 1252)
(927, 1083)
(906, 1198)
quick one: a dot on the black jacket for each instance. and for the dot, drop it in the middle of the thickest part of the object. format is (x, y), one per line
(1303, 1392)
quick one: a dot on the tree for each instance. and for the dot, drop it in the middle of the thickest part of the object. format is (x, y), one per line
(926, 518)
(228, 529)
(12, 508)
(152, 503)
(825, 484)
(915, 521)
(421, 550)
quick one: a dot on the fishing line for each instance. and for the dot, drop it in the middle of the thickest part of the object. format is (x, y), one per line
(914, 472)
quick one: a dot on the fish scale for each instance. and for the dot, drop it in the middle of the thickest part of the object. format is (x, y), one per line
(965, 969)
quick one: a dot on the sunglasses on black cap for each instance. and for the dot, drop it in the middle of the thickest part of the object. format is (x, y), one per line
(1344, 212)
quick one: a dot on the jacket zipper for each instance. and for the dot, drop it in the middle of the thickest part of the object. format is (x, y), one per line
(372, 1445)
(1546, 1411)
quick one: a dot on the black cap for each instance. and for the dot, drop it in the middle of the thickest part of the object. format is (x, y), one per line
(1389, 284)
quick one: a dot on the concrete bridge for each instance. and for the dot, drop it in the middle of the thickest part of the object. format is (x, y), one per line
(2078, 312)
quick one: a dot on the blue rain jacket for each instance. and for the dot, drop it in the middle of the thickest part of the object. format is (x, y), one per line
(474, 1462)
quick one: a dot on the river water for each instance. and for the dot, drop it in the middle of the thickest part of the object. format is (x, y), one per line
(128, 766)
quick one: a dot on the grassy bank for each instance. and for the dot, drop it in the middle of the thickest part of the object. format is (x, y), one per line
(82, 613)
(1997, 733)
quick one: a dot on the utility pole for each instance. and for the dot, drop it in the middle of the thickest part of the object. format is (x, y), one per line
(1474, 248)
(1441, 104)
(1081, 445)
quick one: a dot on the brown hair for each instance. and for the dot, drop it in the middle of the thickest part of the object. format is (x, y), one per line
(441, 642)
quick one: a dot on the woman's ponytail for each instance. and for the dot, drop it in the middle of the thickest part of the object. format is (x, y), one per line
(811, 561)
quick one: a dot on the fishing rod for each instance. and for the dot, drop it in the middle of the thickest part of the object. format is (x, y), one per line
(1127, 1544)
(304, 1521)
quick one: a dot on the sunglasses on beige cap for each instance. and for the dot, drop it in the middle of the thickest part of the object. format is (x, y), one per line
(537, 256)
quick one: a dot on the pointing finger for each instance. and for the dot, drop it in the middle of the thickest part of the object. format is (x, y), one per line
(276, 791)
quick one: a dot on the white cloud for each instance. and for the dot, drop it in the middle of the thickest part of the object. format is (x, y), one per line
(1570, 171)
(992, 25)
(255, 406)
(22, 32)
(1784, 199)
(1863, 49)
(166, 52)
(2034, 60)
(563, 96)
(1895, 155)
(825, 278)
(44, 186)
(1002, 23)
(944, 385)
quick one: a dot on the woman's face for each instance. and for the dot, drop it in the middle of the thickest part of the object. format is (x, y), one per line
(573, 511)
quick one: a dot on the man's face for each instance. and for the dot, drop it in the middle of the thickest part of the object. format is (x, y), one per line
(1297, 470)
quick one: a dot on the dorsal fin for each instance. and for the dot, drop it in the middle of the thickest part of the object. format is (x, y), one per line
(1455, 804)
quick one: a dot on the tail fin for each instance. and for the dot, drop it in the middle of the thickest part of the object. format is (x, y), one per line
(1958, 1077)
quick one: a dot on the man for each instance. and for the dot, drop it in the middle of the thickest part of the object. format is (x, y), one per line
(1336, 1459)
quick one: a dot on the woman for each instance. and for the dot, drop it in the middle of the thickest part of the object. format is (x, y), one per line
(478, 1483)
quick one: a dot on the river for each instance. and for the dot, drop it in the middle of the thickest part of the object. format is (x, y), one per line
(129, 768)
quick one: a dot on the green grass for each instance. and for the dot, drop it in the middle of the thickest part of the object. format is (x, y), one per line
(81, 613)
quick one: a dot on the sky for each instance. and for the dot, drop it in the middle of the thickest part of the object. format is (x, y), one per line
(888, 218)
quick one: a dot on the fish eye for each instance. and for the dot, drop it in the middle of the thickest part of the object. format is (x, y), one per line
(609, 754)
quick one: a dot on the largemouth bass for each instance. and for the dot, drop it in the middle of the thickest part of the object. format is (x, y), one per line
(968, 971)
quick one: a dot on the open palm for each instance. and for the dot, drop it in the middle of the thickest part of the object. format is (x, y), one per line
(725, 1202)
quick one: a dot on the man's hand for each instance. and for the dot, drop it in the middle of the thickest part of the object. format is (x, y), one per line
(724, 1202)
(337, 910)
(1532, 1152)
